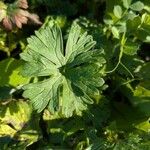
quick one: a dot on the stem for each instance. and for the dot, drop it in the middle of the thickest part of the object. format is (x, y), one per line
(126, 69)
(124, 83)
(119, 61)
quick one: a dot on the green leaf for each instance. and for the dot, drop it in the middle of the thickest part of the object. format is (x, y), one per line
(3, 8)
(132, 63)
(133, 24)
(144, 31)
(115, 32)
(130, 48)
(145, 126)
(73, 75)
(15, 110)
(126, 3)
(137, 6)
(117, 11)
(145, 19)
(17, 122)
(141, 99)
(9, 74)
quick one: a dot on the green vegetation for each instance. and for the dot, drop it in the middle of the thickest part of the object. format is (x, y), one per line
(74, 75)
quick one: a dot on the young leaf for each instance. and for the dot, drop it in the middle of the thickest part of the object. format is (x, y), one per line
(74, 74)
(115, 32)
(118, 11)
(126, 3)
(137, 6)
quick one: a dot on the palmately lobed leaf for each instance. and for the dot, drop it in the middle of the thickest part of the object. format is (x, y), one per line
(73, 75)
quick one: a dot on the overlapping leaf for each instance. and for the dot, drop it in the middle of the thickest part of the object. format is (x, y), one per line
(73, 75)
(17, 124)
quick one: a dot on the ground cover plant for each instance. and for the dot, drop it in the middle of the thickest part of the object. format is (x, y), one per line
(74, 75)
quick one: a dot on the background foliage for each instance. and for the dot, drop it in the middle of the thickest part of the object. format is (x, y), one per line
(116, 114)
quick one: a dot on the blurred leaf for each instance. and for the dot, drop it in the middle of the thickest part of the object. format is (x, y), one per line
(133, 24)
(130, 48)
(115, 32)
(100, 144)
(144, 71)
(17, 122)
(126, 3)
(141, 99)
(138, 97)
(5, 93)
(145, 125)
(9, 74)
(16, 113)
(51, 20)
(137, 6)
(117, 11)
(131, 142)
